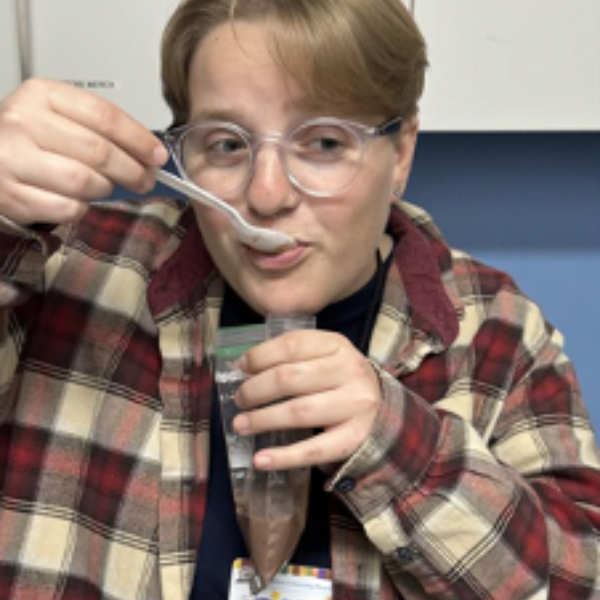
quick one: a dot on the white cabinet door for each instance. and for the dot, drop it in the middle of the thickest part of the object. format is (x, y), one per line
(10, 70)
(109, 46)
(521, 65)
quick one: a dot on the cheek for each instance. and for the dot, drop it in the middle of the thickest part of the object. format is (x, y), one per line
(371, 201)
(215, 231)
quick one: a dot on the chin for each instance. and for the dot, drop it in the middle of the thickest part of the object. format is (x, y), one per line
(285, 301)
(287, 308)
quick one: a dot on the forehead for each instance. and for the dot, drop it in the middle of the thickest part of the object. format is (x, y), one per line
(233, 68)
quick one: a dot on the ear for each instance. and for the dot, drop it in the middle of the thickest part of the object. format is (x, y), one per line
(406, 144)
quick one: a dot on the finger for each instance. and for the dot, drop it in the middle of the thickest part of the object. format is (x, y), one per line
(332, 446)
(287, 380)
(317, 410)
(62, 137)
(293, 346)
(30, 204)
(68, 121)
(321, 410)
(109, 121)
(344, 367)
(63, 176)
(49, 188)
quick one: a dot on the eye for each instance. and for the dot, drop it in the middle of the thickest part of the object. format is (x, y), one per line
(217, 147)
(225, 145)
(326, 144)
(323, 143)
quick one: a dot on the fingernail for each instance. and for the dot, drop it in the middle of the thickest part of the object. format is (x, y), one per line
(263, 461)
(242, 363)
(160, 155)
(241, 424)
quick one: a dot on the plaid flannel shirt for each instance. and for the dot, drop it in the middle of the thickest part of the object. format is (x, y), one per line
(480, 479)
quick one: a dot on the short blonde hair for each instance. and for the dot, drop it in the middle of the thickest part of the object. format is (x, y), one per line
(363, 57)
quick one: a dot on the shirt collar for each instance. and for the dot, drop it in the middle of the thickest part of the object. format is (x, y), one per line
(420, 287)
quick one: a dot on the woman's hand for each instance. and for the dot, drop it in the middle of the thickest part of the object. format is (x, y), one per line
(326, 383)
(61, 147)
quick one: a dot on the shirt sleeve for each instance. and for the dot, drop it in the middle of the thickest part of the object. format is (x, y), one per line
(502, 507)
(23, 256)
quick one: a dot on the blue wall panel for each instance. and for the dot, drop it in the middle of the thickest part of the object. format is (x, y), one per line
(528, 204)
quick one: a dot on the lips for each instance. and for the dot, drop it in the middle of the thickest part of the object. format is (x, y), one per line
(281, 261)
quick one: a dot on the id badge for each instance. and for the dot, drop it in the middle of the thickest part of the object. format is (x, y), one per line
(293, 582)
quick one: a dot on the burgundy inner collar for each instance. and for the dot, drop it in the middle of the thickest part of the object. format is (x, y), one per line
(182, 278)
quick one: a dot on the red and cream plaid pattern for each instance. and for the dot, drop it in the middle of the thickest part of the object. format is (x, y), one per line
(481, 479)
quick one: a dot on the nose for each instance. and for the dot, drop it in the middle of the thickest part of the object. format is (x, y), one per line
(270, 191)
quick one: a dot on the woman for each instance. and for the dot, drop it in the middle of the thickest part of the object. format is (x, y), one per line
(453, 458)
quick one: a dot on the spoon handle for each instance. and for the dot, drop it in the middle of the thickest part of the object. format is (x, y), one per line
(190, 190)
(267, 240)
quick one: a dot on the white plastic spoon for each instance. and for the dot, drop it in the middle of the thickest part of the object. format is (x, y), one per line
(259, 238)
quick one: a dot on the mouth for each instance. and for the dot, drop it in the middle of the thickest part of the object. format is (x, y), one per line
(282, 260)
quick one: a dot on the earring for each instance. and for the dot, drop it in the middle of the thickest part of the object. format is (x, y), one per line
(399, 191)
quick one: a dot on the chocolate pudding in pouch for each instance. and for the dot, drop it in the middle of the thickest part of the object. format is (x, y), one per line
(270, 505)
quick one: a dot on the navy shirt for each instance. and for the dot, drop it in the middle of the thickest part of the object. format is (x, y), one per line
(222, 541)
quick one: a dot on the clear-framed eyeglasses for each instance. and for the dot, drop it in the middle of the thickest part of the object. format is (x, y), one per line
(321, 156)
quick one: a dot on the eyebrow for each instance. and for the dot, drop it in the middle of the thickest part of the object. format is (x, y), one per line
(233, 116)
(216, 114)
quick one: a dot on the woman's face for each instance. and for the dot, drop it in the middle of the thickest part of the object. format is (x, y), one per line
(234, 78)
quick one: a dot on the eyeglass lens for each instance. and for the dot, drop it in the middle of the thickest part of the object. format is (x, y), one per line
(321, 158)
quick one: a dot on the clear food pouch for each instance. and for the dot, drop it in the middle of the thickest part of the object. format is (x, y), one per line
(270, 505)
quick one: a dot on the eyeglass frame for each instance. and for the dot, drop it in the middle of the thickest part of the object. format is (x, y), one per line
(365, 134)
